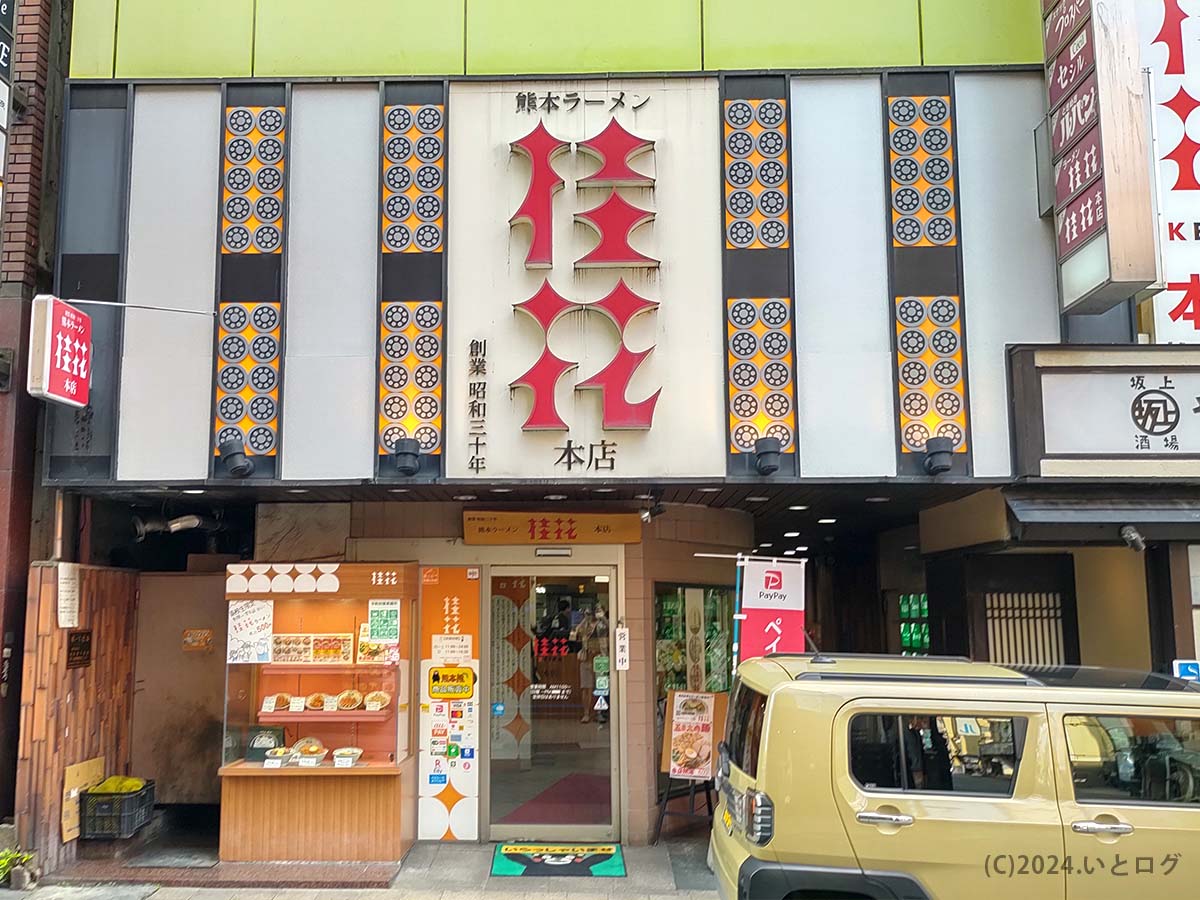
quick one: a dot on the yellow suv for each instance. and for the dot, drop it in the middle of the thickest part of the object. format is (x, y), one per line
(895, 778)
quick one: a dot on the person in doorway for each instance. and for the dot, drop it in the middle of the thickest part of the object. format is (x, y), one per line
(592, 636)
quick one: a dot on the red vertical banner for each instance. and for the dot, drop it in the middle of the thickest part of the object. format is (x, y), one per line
(772, 606)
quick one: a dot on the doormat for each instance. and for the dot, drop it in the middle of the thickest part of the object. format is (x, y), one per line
(580, 860)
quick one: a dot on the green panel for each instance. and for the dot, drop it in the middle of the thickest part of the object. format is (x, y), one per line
(93, 31)
(812, 34)
(982, 32)
(549, 36)
(366, 37)
(184, 38)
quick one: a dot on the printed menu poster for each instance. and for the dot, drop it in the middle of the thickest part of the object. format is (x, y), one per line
(692, 736)
(383, 621)
(250, 624)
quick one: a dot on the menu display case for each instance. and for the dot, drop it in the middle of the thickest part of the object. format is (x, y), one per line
(318, 714)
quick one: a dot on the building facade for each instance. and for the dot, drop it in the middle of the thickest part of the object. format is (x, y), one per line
(586, 304)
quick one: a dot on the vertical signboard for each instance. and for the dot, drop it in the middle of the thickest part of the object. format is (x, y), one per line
(1099, 142)
(7, 28)
(1165, 29)
(772, 608)
(448, 808)
(60, 352)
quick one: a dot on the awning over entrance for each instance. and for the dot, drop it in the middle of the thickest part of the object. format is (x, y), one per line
(1098, 517)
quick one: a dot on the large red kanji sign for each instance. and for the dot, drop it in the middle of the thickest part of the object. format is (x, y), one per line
(60, 352)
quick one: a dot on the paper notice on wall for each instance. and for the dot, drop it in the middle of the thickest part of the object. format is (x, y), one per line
(692, 736)
(250, 625)
(383, 620)
(451, 648)
(68, 595)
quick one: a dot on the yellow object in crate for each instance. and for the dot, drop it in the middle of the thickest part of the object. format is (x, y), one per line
(119, 784)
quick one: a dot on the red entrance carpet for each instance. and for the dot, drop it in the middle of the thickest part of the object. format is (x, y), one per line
(575, 799)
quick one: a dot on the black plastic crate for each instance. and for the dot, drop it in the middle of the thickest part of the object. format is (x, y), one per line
(115, 815)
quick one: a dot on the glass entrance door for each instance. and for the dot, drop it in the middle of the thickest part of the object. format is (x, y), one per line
(551, 762)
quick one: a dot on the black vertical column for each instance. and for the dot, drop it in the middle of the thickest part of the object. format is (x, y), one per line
(81, 443)
(412, 275)
(250, 285)
(757, 269)
(925, 268)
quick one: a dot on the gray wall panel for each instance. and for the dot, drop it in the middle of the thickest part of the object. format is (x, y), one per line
(166, 375)
(844, 350)
(1008, 251)
(329, 381)
(94, 181)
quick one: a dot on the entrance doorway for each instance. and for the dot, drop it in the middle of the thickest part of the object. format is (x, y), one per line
(552, 758)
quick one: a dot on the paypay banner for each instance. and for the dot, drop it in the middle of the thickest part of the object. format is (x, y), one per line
(772, 606)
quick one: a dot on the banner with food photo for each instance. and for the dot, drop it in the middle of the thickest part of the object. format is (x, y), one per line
(692, 735)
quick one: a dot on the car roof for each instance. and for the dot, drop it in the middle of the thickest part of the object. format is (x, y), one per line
(766, 672)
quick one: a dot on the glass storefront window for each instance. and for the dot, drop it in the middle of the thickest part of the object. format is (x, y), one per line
(1194, 572)
(693, 647)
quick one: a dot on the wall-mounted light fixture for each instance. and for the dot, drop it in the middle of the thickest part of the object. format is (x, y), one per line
(939, 455)
(406, 456)
(766, 455)
(233, 454)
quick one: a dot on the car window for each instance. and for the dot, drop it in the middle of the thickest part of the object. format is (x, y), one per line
(1134, 759)
(745, 728)
(961, 754)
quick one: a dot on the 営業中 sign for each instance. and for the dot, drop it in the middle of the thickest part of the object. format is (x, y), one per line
(60, 352)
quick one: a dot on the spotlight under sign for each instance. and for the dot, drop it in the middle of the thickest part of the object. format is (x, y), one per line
(60, 352)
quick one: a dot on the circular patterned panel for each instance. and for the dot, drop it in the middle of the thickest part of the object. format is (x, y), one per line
(906, 200)
(935, 111)
(740, 203)
(741, 233)
(739, 144)
(264, 348)
(232, 378)
(267, 238)
(780, 432)
(268, 179)
(911, 342)
(744, 406)
(902, 111)
(389, 436)
(269, 151)
(231, 409)
(429, 178)
(776, 375)
(239, 179)
(916, 434)
(772, 203)
(427, 377)
(743, 344)
(270, 120)
(940, 230)
(428, 316)
(427, 346)
(740, 173)
(262, 409)
(776, 344)
(397, 237)
(395, 377)
(938, 200)
(265, 317)
(429, 207)
(429, 119)
(429, 149)
(240, 120)
(911, 311)
(234, 317)
(239, 151)
(771, 173)
(229, 433)
(914, 373)
(261, 439)
(428, 237)
(394, 407)
(427, 407)
(943, 311)
(237, 208)
(744, 436)
(905, 141)
(399, 120)
(944, 342)
(398, 178)
(263, 378)
(395, 347)
(774, 313)
(907, 230)
(953, 431)
(428, 437)
(906, 170)
(936, 141)
(777, 405)
(771, 144)
(744, 375)
(770, 114)
(267, 208)
(915, 404)
(398, 149)
(234, 348)
(772, 233)
(937, 170)
(946, 373)
(395, 316)
(739, 114)
(397, 207)
(948, 404)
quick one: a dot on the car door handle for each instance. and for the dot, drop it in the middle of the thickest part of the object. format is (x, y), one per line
(1101, 828)
(878, 818)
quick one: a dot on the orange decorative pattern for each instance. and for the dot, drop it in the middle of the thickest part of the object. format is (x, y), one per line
(921, 162)
(247, 391)
(762, 394)
(757, 201)
(414, 176)
(252, 179)
(410, 375)
(929, 359)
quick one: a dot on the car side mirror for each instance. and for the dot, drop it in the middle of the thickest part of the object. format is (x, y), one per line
(723, 757)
